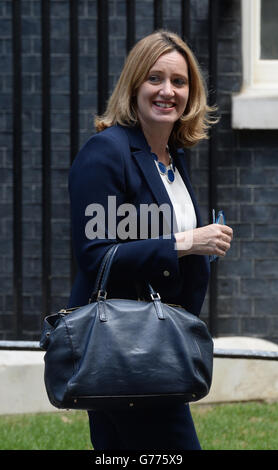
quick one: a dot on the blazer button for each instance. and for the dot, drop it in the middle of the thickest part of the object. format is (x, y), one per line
(166, 273)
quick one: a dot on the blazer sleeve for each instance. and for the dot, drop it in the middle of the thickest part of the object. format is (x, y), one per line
(98, 172)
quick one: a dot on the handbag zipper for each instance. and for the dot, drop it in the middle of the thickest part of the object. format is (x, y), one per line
(69, 310)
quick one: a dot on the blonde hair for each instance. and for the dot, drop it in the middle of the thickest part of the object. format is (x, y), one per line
(121, 109)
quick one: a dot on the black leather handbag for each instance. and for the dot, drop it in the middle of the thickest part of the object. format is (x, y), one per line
(120, 353)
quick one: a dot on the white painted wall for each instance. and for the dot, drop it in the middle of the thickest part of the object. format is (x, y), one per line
(22, 385)
(243, 379)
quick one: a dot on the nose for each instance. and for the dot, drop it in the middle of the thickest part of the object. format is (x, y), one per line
(167, 89)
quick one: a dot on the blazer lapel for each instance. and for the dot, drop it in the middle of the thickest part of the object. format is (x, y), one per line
(146, 163)
(142, 153)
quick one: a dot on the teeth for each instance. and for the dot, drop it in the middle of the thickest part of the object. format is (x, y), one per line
(163, 105)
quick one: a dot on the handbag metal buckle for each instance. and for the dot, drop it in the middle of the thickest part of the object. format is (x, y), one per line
(155, 296)
(102, 294)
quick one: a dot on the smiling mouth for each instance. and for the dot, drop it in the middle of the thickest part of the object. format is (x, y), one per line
(164, 105)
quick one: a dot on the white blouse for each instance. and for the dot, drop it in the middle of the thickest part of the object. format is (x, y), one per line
(181, 200)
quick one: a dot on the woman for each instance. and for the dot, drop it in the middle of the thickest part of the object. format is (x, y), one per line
(134, 162)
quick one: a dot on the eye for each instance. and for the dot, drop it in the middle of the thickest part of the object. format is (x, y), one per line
(154, 78)
(179, 81)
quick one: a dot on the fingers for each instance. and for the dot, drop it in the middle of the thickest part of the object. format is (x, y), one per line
(223, 248)
(225, 236)
(227, 231)
(224, 228)
(224, 232)
(213, 239)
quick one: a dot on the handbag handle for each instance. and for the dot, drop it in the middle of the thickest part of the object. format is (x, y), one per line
(102, 280)
(100, 274)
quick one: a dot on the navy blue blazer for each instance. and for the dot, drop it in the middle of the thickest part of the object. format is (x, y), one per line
(118, 162)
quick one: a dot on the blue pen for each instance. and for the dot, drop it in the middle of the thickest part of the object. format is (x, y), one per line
(221, 218)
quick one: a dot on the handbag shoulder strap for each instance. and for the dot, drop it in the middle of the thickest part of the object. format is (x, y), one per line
(107, 267)
(109, 253)
(102, 280)
(102, 293)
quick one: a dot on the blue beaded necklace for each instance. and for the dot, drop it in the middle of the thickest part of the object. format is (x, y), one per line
(164, 170)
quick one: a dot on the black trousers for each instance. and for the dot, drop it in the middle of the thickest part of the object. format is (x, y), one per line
(153, 429)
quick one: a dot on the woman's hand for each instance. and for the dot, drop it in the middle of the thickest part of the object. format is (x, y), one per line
(213, 239)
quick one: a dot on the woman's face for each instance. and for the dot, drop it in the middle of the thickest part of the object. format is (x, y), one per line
(163, 96)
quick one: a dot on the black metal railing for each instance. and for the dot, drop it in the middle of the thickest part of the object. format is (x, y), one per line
(46, 156)
(102, 93)
(213, 146)
(17, 166)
